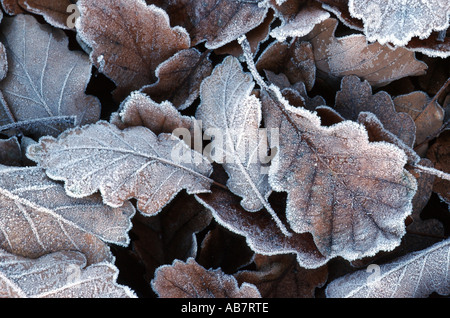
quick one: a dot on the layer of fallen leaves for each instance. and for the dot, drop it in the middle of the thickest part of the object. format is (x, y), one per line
(224, 148)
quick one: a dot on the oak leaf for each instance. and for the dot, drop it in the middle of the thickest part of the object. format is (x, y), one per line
(355, 96)
(227, 106)
(58, 275)
(129, 40)
(217, 22)
(123, 164)
(415, 275)
(437, 44)
(298, 22)
(179, 78)
(351, 209)
(55, 12)
(295, 60)
(191, 280)
(42, 92)
(352, 55)
(37, 217)
(397, 22)
(138, 109)
(427, 114)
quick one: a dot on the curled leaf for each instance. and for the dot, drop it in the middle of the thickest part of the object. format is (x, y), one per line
(217, 22)
(140, 110)
(301, 24)
(55, 12)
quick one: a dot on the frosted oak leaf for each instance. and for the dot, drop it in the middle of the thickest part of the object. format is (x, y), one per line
(133, 163)
(352, 55)
(217, 22)
(415, 275)
(129, 40)
(398, 21)
(227, 106)
(191, 280)
(55, 12)
(43, 93)
(351, 209)
(37, 217)
(58, 275)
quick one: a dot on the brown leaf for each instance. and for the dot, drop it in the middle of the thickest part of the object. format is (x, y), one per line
(377, 132)
(217, 22)
(334, 192)
(169, 235)
(356, 96)
(129, 40)
(190, 280)
(123, 164)
(140, 110)
(53, 11)
(296, 94)
(37, 217)
(281, 277)
(12, 7)
(43, 93)
(439, 154)
(256, 37)
(352, 55)
(295, 60)
(433, 46)
(58, 275)
(179, 78)
(428, 115)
